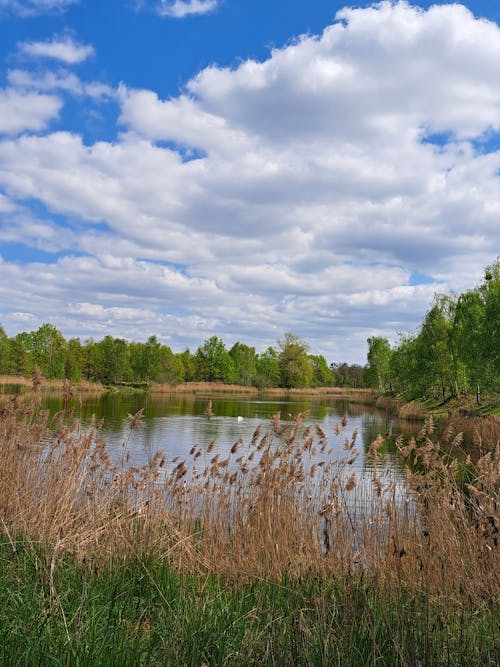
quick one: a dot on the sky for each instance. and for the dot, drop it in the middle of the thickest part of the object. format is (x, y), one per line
(244, 168)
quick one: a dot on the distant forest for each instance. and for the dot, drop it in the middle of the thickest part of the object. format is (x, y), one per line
(456, 349)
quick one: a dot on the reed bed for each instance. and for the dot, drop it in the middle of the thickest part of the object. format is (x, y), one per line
(277, 505)
(200, 388)
(276, 510)
(385, 402)
(411, 410)
(27, 384)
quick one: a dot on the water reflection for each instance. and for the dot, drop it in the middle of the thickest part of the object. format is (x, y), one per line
(176, 423)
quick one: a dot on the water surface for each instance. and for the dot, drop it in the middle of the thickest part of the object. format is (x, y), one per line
(176, 423)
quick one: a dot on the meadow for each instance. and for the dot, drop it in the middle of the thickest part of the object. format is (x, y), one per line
(275, 554)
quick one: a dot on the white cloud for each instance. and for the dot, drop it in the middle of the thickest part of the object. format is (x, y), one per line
(303, 193)
(48, 80)
(34, 7)
(63, 48)
(180, 8)
(26, 111)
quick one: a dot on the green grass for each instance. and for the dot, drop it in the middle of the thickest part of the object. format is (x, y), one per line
(144, 613)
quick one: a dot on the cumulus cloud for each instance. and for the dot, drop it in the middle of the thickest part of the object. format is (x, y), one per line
(26, 111)
(62, 80)
(181, 8)
(63, 48)
(34, 7)
(303, 193)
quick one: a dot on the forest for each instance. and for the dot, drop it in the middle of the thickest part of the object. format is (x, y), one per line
(117, 361)
(455, 350)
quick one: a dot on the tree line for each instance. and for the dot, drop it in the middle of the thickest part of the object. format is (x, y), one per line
(455, 350)
(115, 360)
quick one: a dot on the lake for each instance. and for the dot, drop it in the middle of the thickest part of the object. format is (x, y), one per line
(175, 423)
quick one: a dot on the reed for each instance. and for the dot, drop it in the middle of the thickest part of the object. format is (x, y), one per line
(276, 509)
(200, 388)
(38, 382)
(411, 410)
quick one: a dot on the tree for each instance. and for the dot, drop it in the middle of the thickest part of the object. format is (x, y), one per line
(379, 355)
(170, 367)
(435, 359)
(20, 360)
(74, 363)
(404, 368)
(322, 374)
(468, 339)
(295, 368)
(187, 366)
(491, 289)
(145, 359)
(213, 363)
(48, 350)
(267, 369)
(244, 363)
(4, 351)
(345, 375)
(113, 360)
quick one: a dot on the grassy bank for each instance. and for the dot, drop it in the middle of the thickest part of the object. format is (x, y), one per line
(26, 385)
(453, 408)
(202, 388)
(277, 554)
(145, 612)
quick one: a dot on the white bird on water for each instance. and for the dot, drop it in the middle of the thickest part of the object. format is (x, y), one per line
(240, 419)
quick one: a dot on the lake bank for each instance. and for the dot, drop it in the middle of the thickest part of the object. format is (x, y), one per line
(256, 563)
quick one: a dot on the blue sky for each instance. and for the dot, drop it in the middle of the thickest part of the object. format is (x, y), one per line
(244, 169)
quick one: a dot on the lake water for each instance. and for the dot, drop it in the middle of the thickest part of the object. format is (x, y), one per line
(176, 423)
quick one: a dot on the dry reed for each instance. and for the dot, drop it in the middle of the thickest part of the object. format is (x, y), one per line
(411, 410)
(28, 384)
(278, 505)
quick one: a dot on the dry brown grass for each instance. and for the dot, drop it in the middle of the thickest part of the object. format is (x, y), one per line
(480, 432)
(385, 402)
(362, 396)
(220, 387)
(201, 388)
(320, 391)
(278, 505)
(83, 386)
(411, 410)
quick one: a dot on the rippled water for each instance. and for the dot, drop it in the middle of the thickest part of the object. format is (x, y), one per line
(176, 423)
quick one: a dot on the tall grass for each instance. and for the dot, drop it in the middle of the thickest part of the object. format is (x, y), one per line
(27, 384)
(271, 551)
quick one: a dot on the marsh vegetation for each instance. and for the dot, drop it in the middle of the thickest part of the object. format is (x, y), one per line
(275, 552)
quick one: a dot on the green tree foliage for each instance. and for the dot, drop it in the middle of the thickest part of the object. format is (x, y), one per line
(91, 360)
(187, 366)
(20, 360)
(322, 375)
(267, 371)
(436, 361)
(457, 347)
(348, 375)
(379, 355)
(213, 362)
(145, 359)
(244, 363)
(112, 357)
(48, 351)
(74, 362)
(4, 351)
(170, 369)
(403, 366)
(295, 368)
(491, 294)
